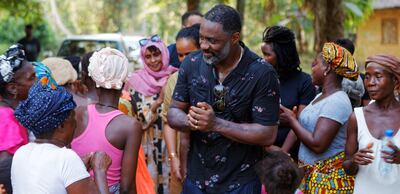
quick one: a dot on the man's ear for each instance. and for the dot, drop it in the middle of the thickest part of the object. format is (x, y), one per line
(235, 37)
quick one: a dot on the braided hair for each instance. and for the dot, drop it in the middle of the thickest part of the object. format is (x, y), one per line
(282, 41)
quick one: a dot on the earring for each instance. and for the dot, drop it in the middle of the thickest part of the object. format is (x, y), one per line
(325, 73)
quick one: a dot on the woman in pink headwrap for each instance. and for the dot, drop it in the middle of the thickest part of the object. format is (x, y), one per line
(366, 152)
(145, 98)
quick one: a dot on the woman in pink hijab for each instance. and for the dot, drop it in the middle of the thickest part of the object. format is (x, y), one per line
(143, 94)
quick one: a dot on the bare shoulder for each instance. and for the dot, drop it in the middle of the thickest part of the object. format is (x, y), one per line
(352, 123)
(81, 110)
(81, 116)
(353, 118)
(128, 125)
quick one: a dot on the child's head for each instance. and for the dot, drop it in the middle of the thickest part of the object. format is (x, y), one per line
(278, 173)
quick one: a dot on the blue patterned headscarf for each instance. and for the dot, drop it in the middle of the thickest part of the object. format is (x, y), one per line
(10, 62)
(47, 105)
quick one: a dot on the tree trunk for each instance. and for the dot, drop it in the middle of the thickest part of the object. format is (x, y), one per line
(193, 5)
(240, 6)
(328, 23)
(269, 6)
(57, 19)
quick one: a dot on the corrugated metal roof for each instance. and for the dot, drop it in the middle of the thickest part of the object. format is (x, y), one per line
(386, 4)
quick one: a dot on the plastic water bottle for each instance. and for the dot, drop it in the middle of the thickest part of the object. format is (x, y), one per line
(385, 167)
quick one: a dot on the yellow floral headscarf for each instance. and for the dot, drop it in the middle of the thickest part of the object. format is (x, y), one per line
(340, 60)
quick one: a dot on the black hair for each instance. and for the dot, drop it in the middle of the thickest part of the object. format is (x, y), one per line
(278, 173)
(3, 89)
(345, 43)
(153, 49)
(191, 33)
(227, 16)
(186, 15)
(283, 43)
(28, 26)
(74, 60)
(85, 62)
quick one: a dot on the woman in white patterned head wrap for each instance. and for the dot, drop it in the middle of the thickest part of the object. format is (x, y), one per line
(108, 68)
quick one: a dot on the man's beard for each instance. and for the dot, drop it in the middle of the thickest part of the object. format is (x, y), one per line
(216, 58)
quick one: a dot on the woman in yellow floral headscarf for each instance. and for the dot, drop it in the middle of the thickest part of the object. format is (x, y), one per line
(321, 125)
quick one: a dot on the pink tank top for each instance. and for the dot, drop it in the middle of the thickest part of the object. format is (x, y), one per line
(94, 139)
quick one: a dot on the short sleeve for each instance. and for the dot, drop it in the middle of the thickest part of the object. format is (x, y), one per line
(265, 107)
(307, 91)
(168, 90)
(337, 108)
(73, 169)
(181, 91)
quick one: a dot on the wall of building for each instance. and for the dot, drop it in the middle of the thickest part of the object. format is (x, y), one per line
(369, 35)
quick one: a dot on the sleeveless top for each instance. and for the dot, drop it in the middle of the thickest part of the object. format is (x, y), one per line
(368, 179)
(94, 139)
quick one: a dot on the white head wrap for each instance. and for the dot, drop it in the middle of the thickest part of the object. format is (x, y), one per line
(62, 70)
(108, 68)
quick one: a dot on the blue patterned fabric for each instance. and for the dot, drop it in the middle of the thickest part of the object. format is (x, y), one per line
(45, 108)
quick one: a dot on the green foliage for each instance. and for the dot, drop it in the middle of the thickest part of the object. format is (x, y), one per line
(161, 17)
(15, 14)
(356, 11)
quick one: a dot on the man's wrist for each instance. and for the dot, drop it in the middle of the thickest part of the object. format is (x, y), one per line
(217, 125)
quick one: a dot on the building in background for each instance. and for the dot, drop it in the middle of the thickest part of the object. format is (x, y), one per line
(380, 32)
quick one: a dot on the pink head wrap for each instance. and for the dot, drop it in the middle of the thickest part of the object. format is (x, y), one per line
(390, 62)
(146, 81)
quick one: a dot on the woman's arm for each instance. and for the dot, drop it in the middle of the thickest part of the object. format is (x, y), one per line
(323, 135)
(290, 141)
(353, 156)
(130, 157)
(171, 142)
(291, 138)
(99, 162)
(183, 151)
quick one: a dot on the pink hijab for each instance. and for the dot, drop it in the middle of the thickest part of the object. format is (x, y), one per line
(146, 81)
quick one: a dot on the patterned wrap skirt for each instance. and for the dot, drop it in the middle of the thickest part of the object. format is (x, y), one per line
(327, 176)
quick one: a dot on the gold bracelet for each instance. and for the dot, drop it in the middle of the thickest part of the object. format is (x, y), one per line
(171, 155)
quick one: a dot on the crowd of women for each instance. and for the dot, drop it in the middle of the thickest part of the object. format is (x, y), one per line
(60, 127)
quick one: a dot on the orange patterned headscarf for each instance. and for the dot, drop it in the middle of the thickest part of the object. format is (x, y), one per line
(340, 60)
